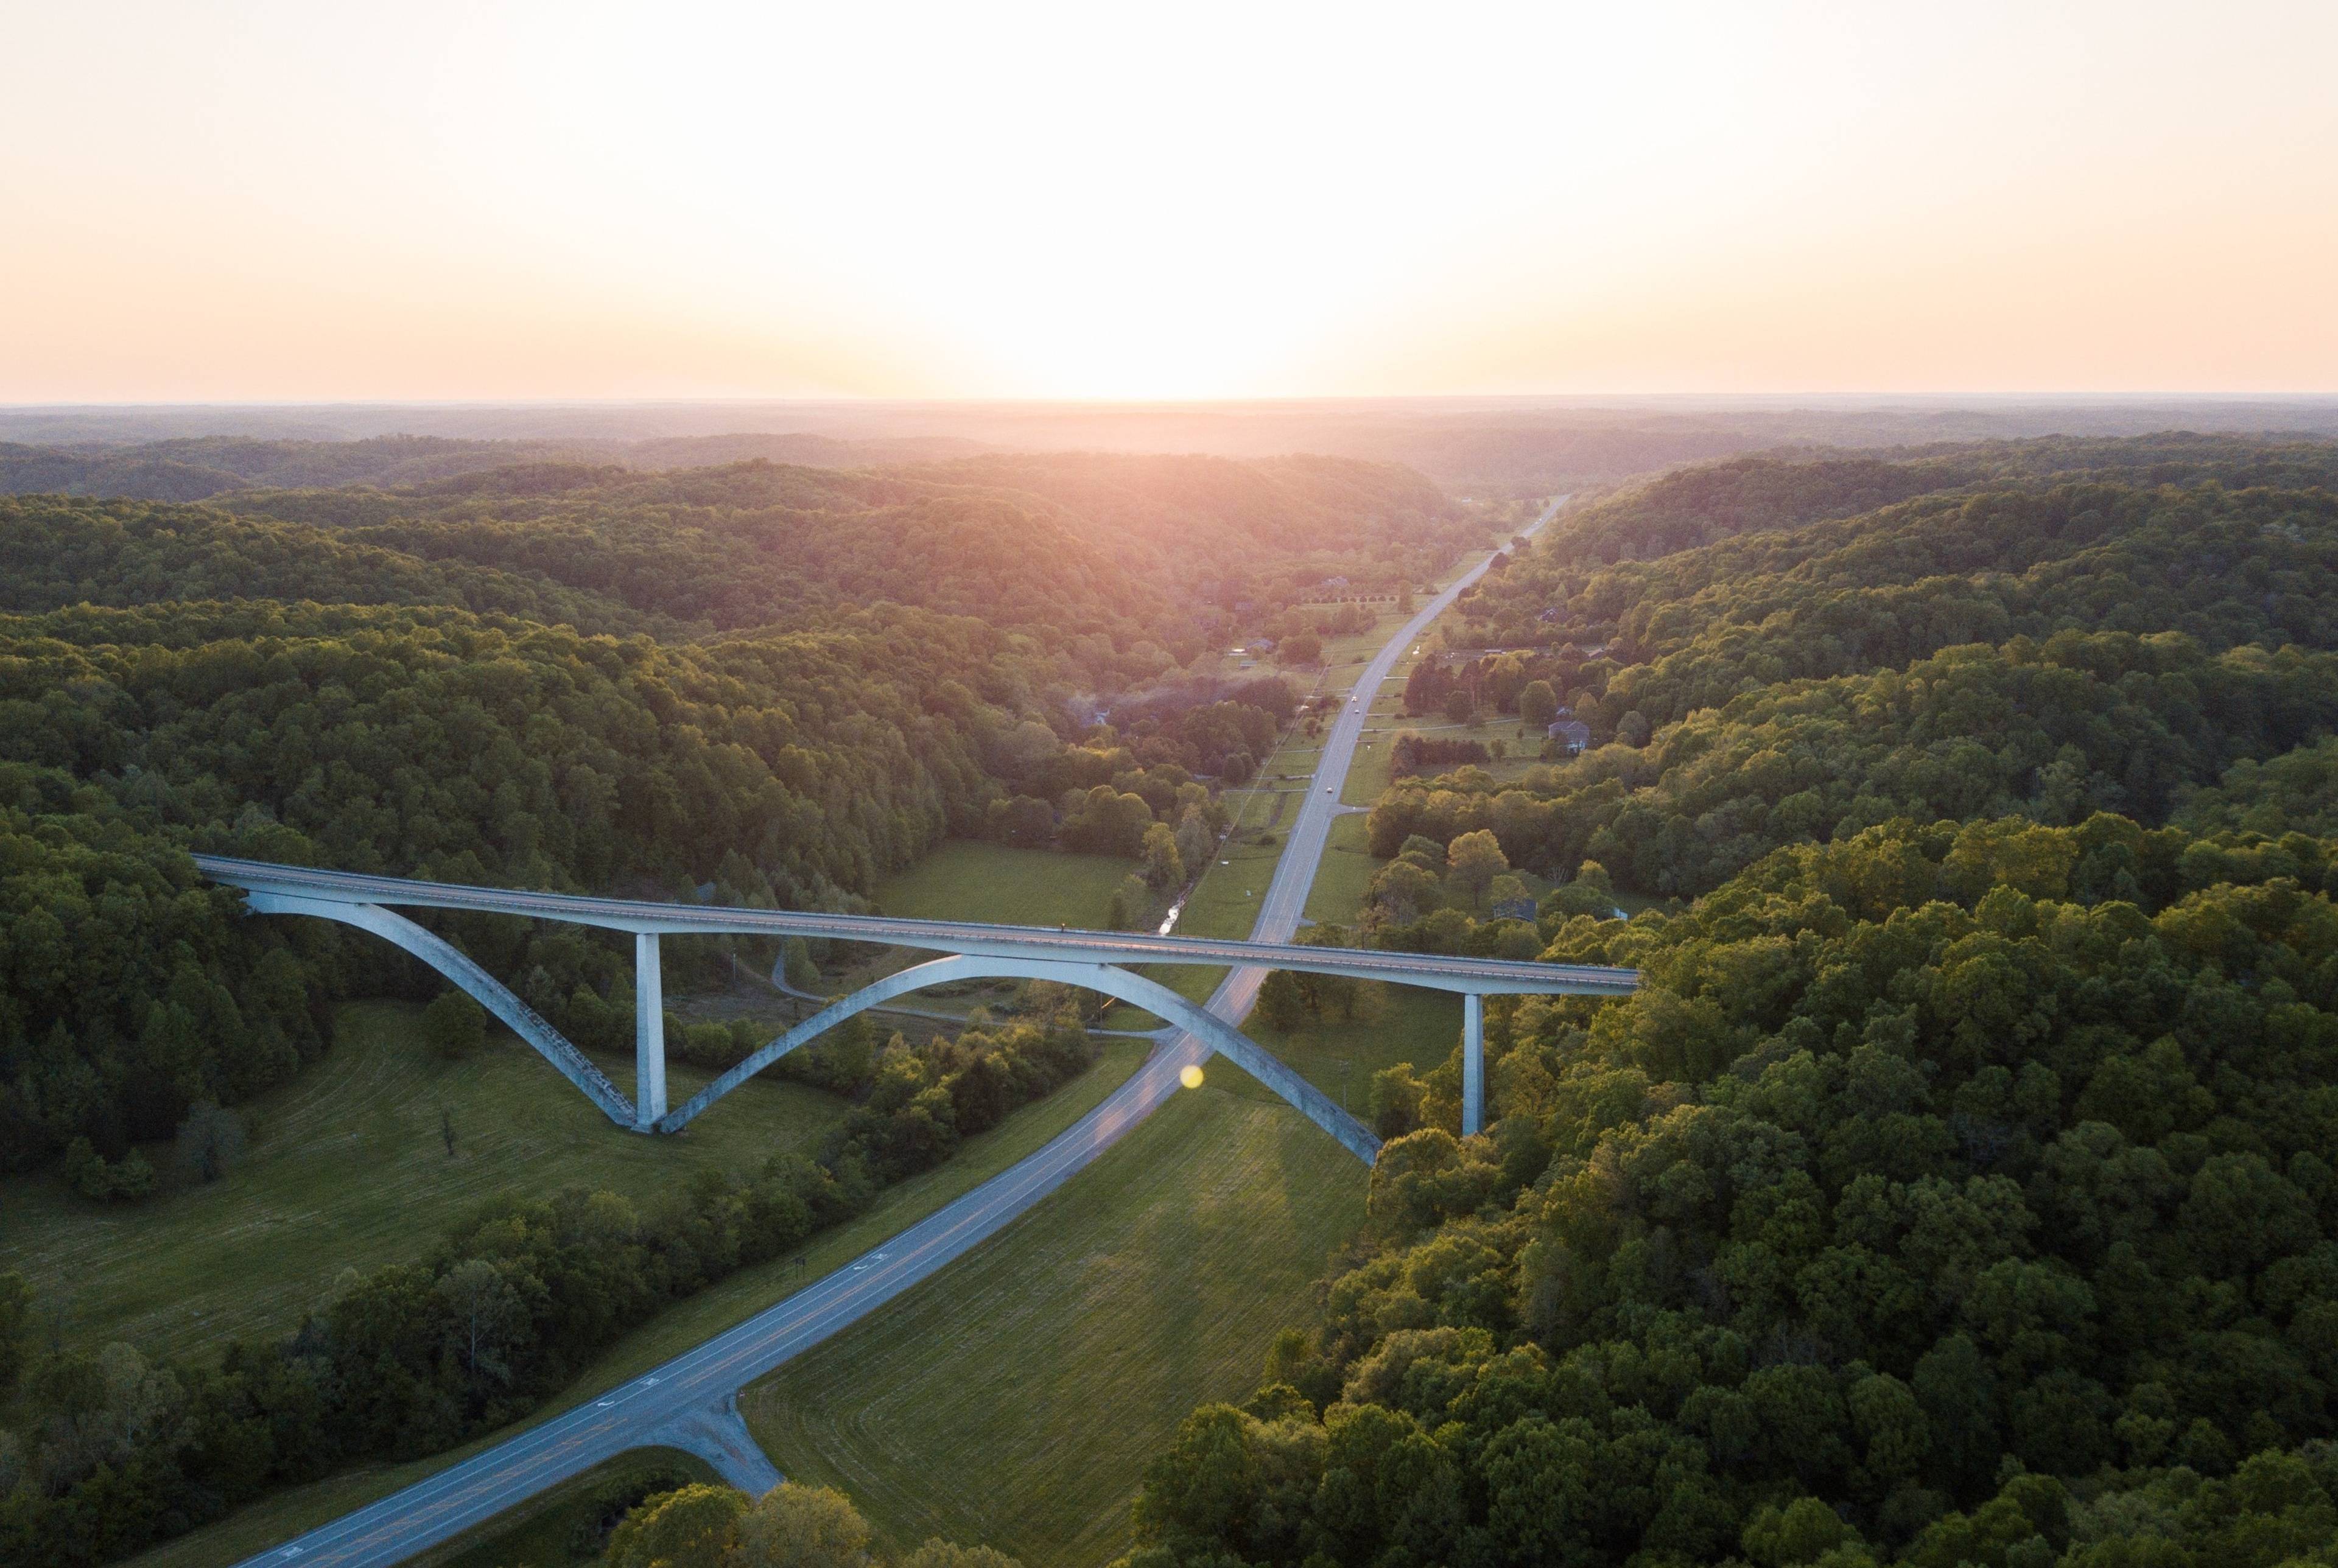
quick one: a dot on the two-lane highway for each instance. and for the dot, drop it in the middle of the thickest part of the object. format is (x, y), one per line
(475, 1490)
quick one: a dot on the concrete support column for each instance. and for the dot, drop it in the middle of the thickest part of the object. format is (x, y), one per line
(649, 1034)
(1473, 1063)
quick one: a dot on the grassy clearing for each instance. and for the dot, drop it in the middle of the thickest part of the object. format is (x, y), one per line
(1014, 1398)
(1369, 774)
(1224, 902)
(969, 880)
(347, 1170)
(1374, 767)
(1393, 1024)
(688, 1323)
(1337, 895)
(966, 879)
(1349, 652)
(543, 1531)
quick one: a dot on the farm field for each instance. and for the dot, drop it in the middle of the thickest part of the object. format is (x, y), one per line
(743, 1294)
(347, 1170)
(1076, 1340)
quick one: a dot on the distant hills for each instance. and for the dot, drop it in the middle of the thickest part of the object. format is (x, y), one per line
(197, 468)
(1501, 446)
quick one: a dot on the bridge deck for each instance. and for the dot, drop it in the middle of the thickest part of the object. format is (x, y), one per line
(1483, 976)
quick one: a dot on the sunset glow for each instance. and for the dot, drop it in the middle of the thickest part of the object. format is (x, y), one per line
(451, 202)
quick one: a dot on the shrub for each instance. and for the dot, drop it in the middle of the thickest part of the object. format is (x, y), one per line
(454, 1025)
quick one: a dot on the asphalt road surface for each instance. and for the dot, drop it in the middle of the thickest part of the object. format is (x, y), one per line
(626, 1417)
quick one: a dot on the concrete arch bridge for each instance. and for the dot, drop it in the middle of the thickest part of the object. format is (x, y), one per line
(1092, 960)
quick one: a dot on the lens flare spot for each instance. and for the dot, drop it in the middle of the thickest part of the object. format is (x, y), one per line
(1190, 1076)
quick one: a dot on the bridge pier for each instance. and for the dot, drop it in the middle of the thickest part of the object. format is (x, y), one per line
(1473, 1063)
(649, 1034)
(1095, 961)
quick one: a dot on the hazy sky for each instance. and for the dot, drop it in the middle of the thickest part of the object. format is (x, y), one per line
(483, 200)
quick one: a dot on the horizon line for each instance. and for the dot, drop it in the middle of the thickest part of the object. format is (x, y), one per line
(1287, 400)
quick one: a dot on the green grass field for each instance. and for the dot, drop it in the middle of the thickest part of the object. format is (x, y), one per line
(1347, 653)
(346, 1169)
(1368, 775)
(1337, 895)
(686, 1324)
(966, 879)
(1393, 1024)
(1374, 767)
(1014, 1398)
(1224, 902)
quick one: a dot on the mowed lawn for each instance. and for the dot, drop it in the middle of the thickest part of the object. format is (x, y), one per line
(347, 1170)
(1015, 1398)
(1337, 895)
(966, 879)
(1391, 1024)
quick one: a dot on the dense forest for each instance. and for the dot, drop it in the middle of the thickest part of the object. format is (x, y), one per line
(762, 685)
(777, 681)
(2051, 645)
(1959, 1187)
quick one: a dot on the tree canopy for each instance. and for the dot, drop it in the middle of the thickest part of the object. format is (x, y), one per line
(781, 681)
(1957, 1187)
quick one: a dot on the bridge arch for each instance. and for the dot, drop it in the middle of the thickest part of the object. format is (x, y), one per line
(468, 976)
(1113, 981)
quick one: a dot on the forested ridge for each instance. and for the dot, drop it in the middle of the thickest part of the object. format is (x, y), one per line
(1703, 503)
(1957, 1189)
(196, 468)
(779, 682)
(2051, 645)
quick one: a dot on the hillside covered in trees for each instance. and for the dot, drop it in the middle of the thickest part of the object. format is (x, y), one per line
(762, 685)
(2052, 645)
(199, 467)
(1959, 1188)
(779, 682)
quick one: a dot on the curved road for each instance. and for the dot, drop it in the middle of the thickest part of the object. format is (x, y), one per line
(478, 1488)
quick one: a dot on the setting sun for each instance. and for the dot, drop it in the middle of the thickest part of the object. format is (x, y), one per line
(655, 657)
(732, 200)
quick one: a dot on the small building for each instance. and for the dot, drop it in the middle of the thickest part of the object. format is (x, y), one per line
(1573, 736)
